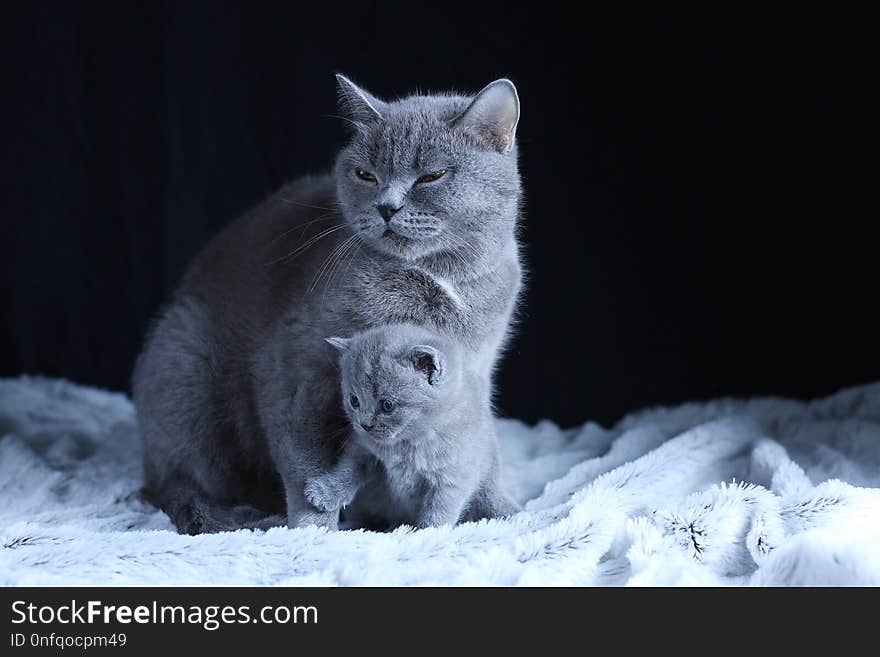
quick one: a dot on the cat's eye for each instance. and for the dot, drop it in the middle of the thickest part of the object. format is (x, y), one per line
(431, 177)
(387, 406)
(365, 175)
(354, 401)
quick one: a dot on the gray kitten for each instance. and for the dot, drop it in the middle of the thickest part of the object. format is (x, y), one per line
(422, 432)
(236, 405)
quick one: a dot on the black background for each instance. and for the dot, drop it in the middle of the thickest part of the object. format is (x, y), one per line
(700, 182)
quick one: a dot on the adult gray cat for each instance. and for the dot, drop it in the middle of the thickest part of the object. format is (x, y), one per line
(237, 393)
(422, 444)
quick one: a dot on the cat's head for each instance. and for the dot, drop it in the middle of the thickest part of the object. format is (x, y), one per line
(393, 378)
(429, 174)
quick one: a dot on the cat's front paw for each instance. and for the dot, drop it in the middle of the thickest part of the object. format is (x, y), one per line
(327, 494)
(435, 298)
(323, 519)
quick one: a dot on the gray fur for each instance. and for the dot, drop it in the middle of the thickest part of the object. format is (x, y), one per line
(237, 393)
(432, 453)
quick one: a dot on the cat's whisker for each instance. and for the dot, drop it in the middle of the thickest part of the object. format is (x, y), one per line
(313, 240)
(331, 271)
(354, 246)
(465, 248)
(469, 246)
(295, 252)
(349, 244)
(290, 201)
(329, 215)
(356, 124)
(457, 248)
(322, 267)
(327, 262)
(354, 255)
(325, 217)
(453, 252)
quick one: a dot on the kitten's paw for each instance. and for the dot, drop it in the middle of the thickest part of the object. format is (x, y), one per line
(327, 494)
(497, 505)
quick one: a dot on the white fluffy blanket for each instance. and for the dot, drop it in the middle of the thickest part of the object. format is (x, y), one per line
(762, 492)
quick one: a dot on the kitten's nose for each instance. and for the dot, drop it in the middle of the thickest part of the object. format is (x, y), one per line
(387, 210)
(367, 426)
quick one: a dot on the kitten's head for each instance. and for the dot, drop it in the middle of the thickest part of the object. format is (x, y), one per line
(428, 174)
(393, 377)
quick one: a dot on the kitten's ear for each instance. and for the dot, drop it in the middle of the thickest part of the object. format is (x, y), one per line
(342, 344)
(429, 361)
(357, 105)
(493, 115)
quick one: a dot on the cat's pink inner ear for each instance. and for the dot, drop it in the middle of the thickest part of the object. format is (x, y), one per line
(493, 114)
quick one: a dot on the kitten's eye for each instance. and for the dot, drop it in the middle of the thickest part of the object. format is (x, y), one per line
(431, 177)
(365, 175)
(354, 401)
(387, 406)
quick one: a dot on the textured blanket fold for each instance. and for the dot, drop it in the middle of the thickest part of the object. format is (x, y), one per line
(762, 492)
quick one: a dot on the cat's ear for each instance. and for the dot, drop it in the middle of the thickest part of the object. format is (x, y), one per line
(342, 344)
(358, 106)
(428, 361)
(493, 115)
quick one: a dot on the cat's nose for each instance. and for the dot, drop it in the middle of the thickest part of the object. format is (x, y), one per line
(366, 426)
(387, 210)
